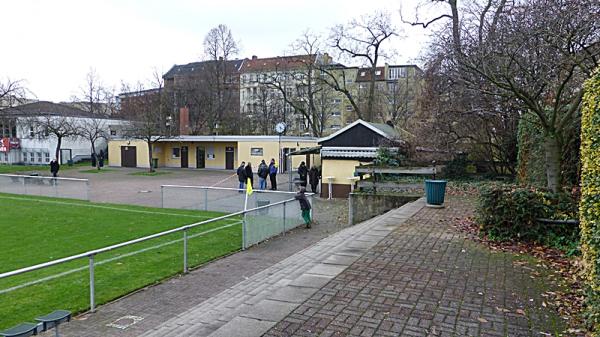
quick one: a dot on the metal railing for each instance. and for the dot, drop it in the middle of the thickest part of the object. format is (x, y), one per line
(71, 188)
(258, 224)
(217, 199)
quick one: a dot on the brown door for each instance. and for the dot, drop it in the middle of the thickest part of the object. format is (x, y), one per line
(128, 156)
(229, 157)
(184, 156)
(200, 154)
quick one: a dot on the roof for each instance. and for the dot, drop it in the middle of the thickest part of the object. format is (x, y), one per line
(235, 138)
(279, 62)
(349, 152)
(308, 150)
(233, 66)
(45, 108)
(381, 129)
(364, 74)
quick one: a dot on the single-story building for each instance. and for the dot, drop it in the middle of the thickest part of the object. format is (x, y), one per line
(25, 139)
(354, 145)
(214, 152)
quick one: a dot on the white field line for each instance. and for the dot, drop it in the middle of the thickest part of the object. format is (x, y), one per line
(106, 207)
(68, 272)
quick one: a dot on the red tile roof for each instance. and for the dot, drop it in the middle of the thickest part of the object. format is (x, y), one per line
(275, 63)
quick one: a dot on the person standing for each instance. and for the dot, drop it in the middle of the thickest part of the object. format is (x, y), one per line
(263, 172)
(313, 178)
(249, 174)
(304, 206)
(241, 173)
(303, 172)
(273, 174)
(54, 167)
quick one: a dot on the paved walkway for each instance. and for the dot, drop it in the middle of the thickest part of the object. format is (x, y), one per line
(427, 279)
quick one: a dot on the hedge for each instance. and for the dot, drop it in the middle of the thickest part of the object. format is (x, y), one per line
(589, 207)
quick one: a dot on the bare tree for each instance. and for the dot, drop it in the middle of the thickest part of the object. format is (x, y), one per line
(362, 40)
(12, 93)
(267, 110)
(93, 130)
(59, 127)
(526, 52)
(147, 114)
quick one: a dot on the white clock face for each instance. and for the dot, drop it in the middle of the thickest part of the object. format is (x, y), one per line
(280, 127)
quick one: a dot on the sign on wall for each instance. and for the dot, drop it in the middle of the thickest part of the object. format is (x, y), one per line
(9, 143)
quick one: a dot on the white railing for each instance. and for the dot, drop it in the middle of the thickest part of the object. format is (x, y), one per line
(71, 188)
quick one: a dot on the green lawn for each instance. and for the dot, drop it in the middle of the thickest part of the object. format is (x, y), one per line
(8, 169)
(38, 229)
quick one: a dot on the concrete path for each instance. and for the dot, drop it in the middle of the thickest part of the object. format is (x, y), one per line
(253, 306)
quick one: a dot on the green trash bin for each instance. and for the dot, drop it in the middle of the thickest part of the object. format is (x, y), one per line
(435, 191)
(155, 163)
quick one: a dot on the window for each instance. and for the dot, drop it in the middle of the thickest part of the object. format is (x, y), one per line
(175, 152)
(348, 107)
(31, 157)
(363, 73)
(335, 126)
(39, 157)
(47, 157)
(113, 132)
(31, 132)
(395, 73)
(377, 72)
(336, 101)
(336, 113)
(256, 151)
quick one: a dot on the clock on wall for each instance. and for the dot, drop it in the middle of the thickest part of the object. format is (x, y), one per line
(280, 128)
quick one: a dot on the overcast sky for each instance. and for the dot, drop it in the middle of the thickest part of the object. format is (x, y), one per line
(52, 45)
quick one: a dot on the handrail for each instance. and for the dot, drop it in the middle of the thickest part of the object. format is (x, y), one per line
(128, 243)
(42, 177)
(225, 188)
(231, 189)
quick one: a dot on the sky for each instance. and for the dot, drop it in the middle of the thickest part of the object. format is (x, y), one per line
(52, 45)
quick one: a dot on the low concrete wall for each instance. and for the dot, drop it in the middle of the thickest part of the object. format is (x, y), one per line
(363, 206)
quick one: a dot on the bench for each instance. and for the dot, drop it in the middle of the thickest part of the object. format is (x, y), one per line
(21, 330)
(54, 319)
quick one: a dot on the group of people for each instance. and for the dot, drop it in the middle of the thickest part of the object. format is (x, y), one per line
(311, 176)
(244, 172)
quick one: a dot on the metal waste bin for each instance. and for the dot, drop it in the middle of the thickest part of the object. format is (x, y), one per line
(435, 191)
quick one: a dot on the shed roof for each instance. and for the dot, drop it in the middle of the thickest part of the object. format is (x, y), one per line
(379, 128)
(45, 108)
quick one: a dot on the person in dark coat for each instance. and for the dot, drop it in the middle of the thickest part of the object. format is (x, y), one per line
(313, 177)
(304, 206)
(263, 173)
(241, 173)
(101, 159)
(54, 167)
(249, 174)
(273, 174)
(303, 173)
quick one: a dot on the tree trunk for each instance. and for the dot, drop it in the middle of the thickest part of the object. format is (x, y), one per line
(57, 151)
(94, 155)
(552, 151)
(150, 156)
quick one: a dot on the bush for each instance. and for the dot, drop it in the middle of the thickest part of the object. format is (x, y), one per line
(590, 196)
(457, 167)
(509, 212)
(388, 157)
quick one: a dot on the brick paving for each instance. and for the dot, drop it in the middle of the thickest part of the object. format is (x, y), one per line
(427, 279)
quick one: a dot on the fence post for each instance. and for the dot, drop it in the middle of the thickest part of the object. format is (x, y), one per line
(24, 186)
(206, 199)
(285, 203)
(350, 209)
(185, 251)
(244, 232)
(92, 286)
(162, 196)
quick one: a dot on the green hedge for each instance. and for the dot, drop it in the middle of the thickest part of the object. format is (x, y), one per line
(589, 207)
(509, 213)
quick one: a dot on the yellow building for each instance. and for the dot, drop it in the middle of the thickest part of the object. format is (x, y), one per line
(213, 152)
(353, 145)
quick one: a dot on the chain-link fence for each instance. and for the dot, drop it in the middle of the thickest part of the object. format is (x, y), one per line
(45, 186)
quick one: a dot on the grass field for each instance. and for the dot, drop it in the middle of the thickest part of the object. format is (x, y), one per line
(38, 229)
(9, 169)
